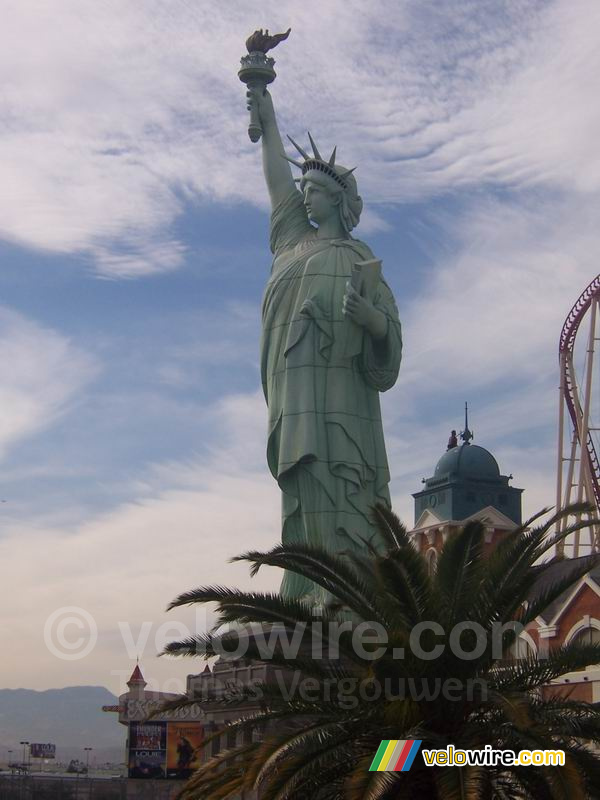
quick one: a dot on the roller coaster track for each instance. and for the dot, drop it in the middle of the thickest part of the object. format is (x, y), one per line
(569, 388)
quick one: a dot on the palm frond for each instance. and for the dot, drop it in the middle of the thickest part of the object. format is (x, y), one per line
(530, 673)
(392, 530)
(459, 572)
(331, 572)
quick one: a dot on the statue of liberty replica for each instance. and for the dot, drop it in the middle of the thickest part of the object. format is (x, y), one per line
(331, 342)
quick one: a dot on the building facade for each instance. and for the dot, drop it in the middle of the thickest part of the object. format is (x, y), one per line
(467, 485)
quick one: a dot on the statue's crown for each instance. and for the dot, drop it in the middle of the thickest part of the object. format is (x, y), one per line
(316, 162)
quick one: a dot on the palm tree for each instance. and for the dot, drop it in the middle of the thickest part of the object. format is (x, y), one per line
(320, 743)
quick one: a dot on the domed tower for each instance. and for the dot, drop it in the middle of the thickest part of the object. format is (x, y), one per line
(466, 484)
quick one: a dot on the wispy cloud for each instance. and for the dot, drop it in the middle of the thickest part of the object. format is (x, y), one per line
(42, 375)
(501, 289)
(116, 112)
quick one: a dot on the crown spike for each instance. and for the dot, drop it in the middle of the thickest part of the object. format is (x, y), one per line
(315, 149)
(292, 161)
(332, 157)
(348, 172)
(302, 152)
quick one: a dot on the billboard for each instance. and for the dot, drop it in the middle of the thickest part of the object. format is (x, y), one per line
(38, 750)
(147, 749)
(184, 748)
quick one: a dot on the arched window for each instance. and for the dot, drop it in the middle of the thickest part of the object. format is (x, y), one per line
(585, 632)
(522, 648)
(586, 635)
(431, 557)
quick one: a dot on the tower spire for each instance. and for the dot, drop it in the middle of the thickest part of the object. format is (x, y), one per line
(136, 679)
(466, 435)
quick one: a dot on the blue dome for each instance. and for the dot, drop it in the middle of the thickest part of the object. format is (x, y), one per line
(468, 461)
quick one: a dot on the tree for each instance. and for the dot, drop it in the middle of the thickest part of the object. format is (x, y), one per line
(467, 693)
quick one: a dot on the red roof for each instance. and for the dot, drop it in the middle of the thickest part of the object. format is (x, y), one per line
(136, 676)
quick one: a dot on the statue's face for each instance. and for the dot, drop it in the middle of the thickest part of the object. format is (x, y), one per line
(320, 204)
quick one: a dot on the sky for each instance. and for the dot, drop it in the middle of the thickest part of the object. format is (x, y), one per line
(134, 253)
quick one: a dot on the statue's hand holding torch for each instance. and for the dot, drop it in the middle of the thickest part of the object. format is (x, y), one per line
(260, 105)
(257, 71)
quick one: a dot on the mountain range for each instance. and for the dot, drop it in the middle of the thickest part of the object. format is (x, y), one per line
(71, 718)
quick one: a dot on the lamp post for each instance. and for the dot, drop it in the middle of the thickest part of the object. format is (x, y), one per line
(25, 744)
(23, 770)
(87, 758)
(10, 761)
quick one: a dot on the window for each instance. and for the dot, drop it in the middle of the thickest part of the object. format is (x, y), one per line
(522, 648)
(586, 634)
(231, 739)
(431, 557)
(215, 745)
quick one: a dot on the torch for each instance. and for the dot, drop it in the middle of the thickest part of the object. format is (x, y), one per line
(257, 71)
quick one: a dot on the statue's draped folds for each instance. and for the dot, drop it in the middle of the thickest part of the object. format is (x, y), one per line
(322, 375)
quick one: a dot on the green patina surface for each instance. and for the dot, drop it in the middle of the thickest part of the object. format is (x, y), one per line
(331, 343)
(322, 374)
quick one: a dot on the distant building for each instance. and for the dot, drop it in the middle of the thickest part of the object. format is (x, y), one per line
(171, 744)
(467, 485)
(574, 617)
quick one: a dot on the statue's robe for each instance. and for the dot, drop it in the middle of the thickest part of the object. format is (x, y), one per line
(322, 374)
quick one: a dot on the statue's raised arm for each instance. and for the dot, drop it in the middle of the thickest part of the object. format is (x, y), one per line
(257, 71)
(277, 171)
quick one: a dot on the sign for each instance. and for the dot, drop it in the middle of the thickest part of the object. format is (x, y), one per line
(139, 710)
(185, 741)
(43, 750)
(147, 749)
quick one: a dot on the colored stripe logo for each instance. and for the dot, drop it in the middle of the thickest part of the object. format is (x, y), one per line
(395, 755)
